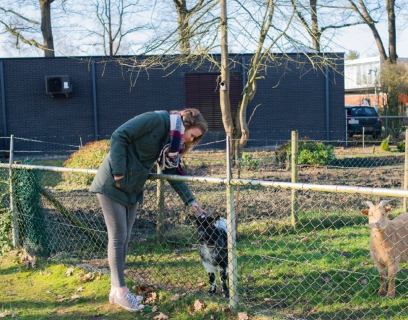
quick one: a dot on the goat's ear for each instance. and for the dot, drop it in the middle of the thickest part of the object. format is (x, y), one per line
(364, 212)
(210, 211)
(388, 208)
(192, 218)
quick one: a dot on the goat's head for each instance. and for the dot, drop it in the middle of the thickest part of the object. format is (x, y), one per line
(205, 228)
(377, 215)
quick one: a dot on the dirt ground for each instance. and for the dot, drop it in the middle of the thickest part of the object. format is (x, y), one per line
(368, 167)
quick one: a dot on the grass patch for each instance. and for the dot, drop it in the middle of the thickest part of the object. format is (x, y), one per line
(46, 292)
(314, 271)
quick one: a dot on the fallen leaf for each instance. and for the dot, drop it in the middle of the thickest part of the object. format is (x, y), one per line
(88, 277)
(69, 272)
(61, 298)
(80, 289)
(242, 316)
(75, 296)
(161, 316)
(150, 297)
(154, 309)
(142, 290)
(3, 314)
(201, 284)
(99, 276)
(305, 239)
(198, 305)
(175, 297)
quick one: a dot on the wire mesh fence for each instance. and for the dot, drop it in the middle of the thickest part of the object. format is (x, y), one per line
(318, 268)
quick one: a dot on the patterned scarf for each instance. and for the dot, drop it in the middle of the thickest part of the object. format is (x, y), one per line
(170, 154)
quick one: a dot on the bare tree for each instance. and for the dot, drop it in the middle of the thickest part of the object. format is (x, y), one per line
(20, 20)
(262, 25)
(392, 37)
(183, 16)
(370, 14)
(46, 27)
(181, 30)
(106, 25)
(225, 73)
(334, 14)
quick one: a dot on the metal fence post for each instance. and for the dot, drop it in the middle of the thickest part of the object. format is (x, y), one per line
(406, 169)
(160, 206)
(231, 221)
(15, 231)
(294, 159)
(346, 128)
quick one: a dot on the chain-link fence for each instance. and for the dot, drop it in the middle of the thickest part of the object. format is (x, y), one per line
(300, 249)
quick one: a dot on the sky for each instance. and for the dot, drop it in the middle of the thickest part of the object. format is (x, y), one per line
(360, 39)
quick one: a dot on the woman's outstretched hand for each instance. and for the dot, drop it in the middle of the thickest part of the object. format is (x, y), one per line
(197, 209)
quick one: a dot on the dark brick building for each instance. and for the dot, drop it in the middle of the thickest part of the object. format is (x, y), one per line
(292, 96)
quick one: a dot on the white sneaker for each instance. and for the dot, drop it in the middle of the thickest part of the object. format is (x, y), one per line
(129, 302)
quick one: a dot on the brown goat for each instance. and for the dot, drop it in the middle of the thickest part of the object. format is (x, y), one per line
(388, 243)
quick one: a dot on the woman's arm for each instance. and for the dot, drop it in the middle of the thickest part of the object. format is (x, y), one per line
(184, 192)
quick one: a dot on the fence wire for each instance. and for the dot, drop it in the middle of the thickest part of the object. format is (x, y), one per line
(319, 268)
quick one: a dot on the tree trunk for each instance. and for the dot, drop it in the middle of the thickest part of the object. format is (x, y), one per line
(46, 27)
(183, 26)
(225, 73)
(392, 56)
(241, 125)
(371, 24)
(110, 29)
(316, 34)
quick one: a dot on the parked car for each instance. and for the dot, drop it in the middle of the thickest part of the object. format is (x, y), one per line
(359, 117)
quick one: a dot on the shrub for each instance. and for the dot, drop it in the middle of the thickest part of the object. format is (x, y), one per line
(248, 162)
(385, 144)
(90, 156)
(401, 146)
(313, 153)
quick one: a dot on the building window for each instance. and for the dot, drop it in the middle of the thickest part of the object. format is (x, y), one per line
(202, 93)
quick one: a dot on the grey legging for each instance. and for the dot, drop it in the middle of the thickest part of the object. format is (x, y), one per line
(119, 221)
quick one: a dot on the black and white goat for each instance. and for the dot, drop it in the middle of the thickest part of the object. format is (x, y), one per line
(212, 236)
